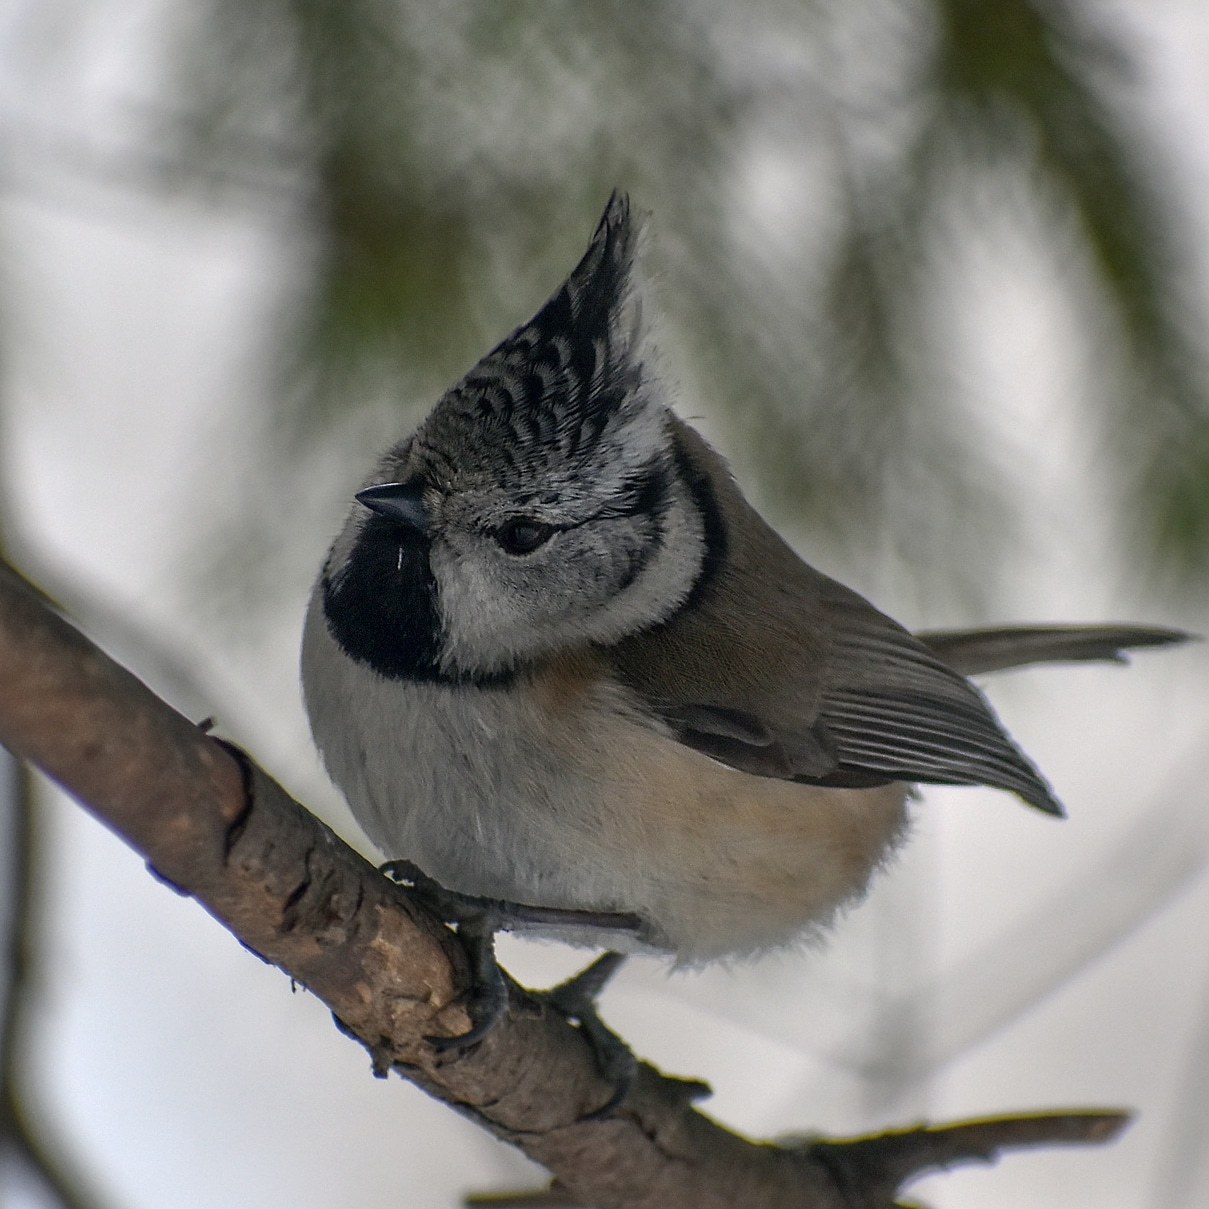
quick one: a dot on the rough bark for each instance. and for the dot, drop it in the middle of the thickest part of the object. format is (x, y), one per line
(220, 830)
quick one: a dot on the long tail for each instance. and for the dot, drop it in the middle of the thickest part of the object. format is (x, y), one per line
(972, 652)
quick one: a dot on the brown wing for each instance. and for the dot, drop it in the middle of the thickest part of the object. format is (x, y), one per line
(775, 669)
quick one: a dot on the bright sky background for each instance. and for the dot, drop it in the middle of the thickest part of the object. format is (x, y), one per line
(1006, 962)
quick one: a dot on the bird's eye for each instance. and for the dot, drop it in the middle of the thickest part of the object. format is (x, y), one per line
(522, 536)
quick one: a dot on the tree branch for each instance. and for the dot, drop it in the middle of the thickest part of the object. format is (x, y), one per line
(218, 829)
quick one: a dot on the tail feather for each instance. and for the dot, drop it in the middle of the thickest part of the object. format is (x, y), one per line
(973, 652)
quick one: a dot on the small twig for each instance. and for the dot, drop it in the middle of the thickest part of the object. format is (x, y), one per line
(553, 1197)
(880, 1165)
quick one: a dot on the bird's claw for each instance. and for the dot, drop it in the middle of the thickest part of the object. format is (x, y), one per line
(477, 920)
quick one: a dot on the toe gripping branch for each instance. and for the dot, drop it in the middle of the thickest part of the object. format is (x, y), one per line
(477, 920)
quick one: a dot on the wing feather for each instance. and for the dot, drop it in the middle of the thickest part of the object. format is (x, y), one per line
(777, 670)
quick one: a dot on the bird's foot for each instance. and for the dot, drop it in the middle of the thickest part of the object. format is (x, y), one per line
(575, 1001)
(477, 919)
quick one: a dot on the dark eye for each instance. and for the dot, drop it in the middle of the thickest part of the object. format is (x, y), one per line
(522, 536)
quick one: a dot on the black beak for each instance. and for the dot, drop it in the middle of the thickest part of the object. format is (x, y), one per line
(398, 502)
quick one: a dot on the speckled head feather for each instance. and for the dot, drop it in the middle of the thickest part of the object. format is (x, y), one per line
(548, 394)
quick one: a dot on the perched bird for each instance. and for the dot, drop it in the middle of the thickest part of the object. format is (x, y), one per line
(556, 660)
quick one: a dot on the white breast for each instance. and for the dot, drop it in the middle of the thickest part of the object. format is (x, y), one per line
(469, 783)
(560, 793)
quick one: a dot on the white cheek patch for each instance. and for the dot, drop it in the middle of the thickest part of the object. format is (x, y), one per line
(483, 620)
(492, 621)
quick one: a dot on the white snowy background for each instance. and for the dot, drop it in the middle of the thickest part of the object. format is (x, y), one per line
(1005, 962)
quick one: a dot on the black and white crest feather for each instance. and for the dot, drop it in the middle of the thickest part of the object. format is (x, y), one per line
(550, 392)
